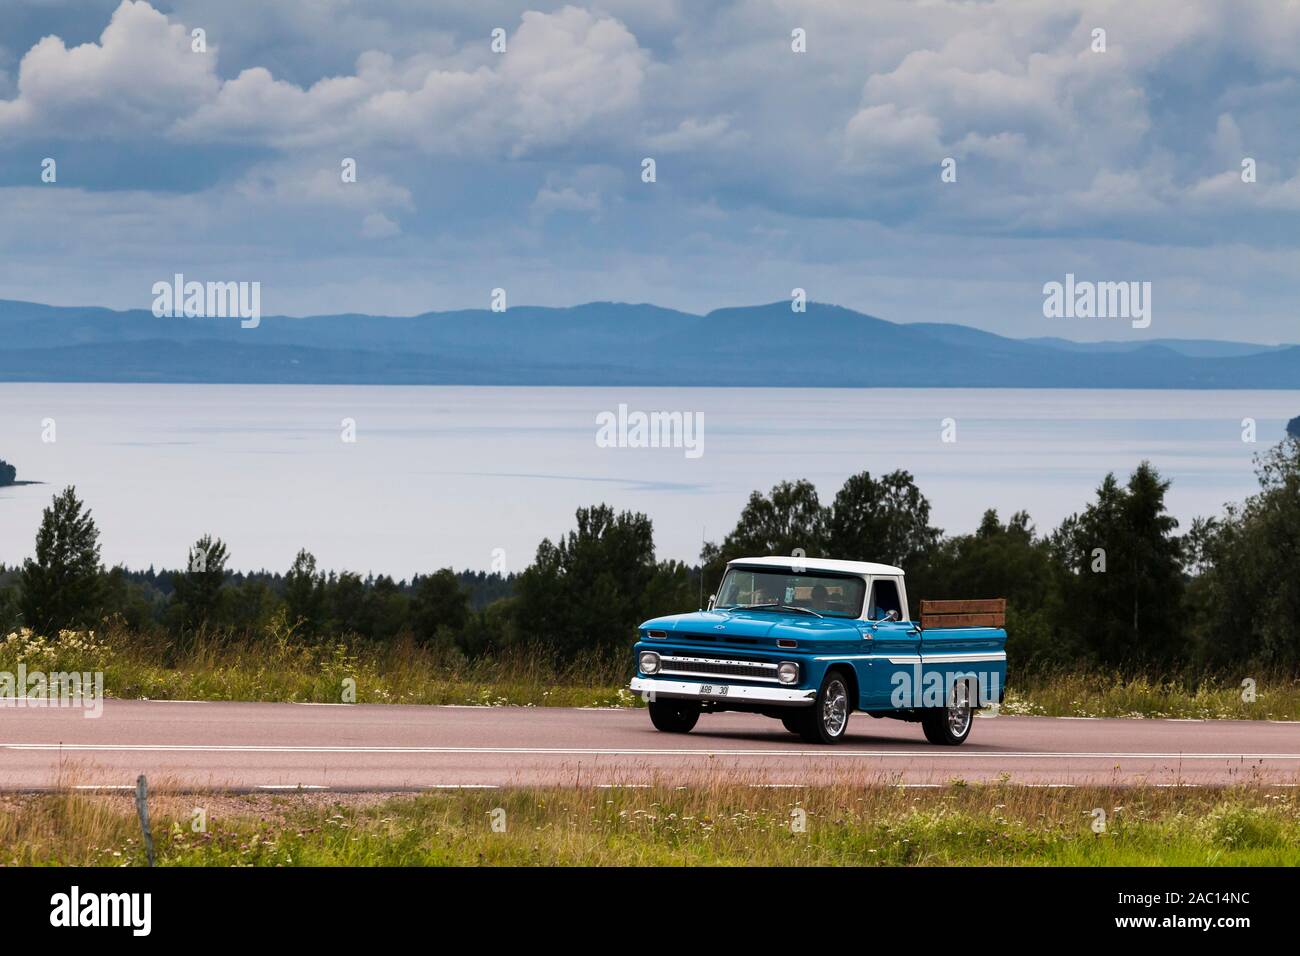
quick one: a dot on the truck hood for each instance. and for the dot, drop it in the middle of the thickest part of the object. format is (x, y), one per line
(755, 624)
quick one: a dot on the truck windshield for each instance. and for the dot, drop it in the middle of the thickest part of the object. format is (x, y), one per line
(828, 595)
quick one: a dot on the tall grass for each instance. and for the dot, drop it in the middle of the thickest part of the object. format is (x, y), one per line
(1270, 695)
(722, 823)
(279, 665)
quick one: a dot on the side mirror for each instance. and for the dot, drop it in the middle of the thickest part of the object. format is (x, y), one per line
(712, 598)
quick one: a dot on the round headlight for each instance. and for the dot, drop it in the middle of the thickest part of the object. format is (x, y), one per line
(788, 672)
(649, 662)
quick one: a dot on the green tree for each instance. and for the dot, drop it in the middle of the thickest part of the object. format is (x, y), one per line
(588, 590)
(999, 560)
(1122, 581)
(345, 597)
(1247, 600)
(439, 604)
(788, 521)
(248, 607)
(674, 588)
(304, 594)
(62, 585)
(129, 603)
(9, 609)
(885, 520)
(197, 594)
(8, 473)
(495, 628)
(386, 610)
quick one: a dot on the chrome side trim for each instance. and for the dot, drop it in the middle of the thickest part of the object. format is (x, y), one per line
(953, 657)
(691, 690)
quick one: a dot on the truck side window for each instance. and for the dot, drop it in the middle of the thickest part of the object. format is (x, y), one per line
(884, 598)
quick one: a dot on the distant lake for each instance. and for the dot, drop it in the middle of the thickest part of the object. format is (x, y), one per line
(443, 475)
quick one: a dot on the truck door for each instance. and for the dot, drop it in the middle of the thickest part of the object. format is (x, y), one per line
(895, 644)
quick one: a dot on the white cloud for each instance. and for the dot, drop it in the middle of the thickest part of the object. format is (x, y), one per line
(139, 77)
(378, 226)
(694, 133)
(882, 135)
(315, 181)
(565, 73)
(565, 199)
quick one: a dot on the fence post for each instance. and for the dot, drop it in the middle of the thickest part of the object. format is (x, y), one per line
(142, 808)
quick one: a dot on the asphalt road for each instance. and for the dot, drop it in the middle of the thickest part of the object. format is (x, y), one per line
(241, 746)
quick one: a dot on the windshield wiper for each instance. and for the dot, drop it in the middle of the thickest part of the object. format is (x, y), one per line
(783, 607)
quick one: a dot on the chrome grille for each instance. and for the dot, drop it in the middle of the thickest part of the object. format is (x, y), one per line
(712, 667)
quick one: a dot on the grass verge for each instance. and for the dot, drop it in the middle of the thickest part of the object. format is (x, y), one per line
(278, 666)
(722, 824)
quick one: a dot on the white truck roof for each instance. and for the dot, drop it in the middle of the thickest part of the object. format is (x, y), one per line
(821, 564)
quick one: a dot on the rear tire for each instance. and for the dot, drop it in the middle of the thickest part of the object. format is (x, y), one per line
(950, 726)
(828, 718)
(674, 716)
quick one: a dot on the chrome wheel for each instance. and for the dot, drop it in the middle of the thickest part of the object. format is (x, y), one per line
(959, 711)
(835, 708)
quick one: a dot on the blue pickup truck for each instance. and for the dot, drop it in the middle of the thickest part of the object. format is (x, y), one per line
(808, 641)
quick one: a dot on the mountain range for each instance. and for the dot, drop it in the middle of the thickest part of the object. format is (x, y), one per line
(607, 343)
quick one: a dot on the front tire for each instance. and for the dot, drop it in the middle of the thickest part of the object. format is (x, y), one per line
(950, 726)
(794, 723)
(674, 716)
(828, 718)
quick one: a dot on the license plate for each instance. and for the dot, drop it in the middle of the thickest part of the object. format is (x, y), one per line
(715, 690)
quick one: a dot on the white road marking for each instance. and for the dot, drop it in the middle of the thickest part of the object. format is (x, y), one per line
(952, 753)
(164, 700)
(312, 703)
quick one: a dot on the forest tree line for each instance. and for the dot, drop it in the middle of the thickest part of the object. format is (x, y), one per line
(1116, 584)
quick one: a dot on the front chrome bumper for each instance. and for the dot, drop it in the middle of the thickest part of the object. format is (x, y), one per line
(694, 690)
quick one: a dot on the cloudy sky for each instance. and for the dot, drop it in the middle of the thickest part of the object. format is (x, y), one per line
(775, 169)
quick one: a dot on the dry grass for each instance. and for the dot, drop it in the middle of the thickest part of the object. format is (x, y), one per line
(1276, 695)
(279, 666)
(718, 824)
